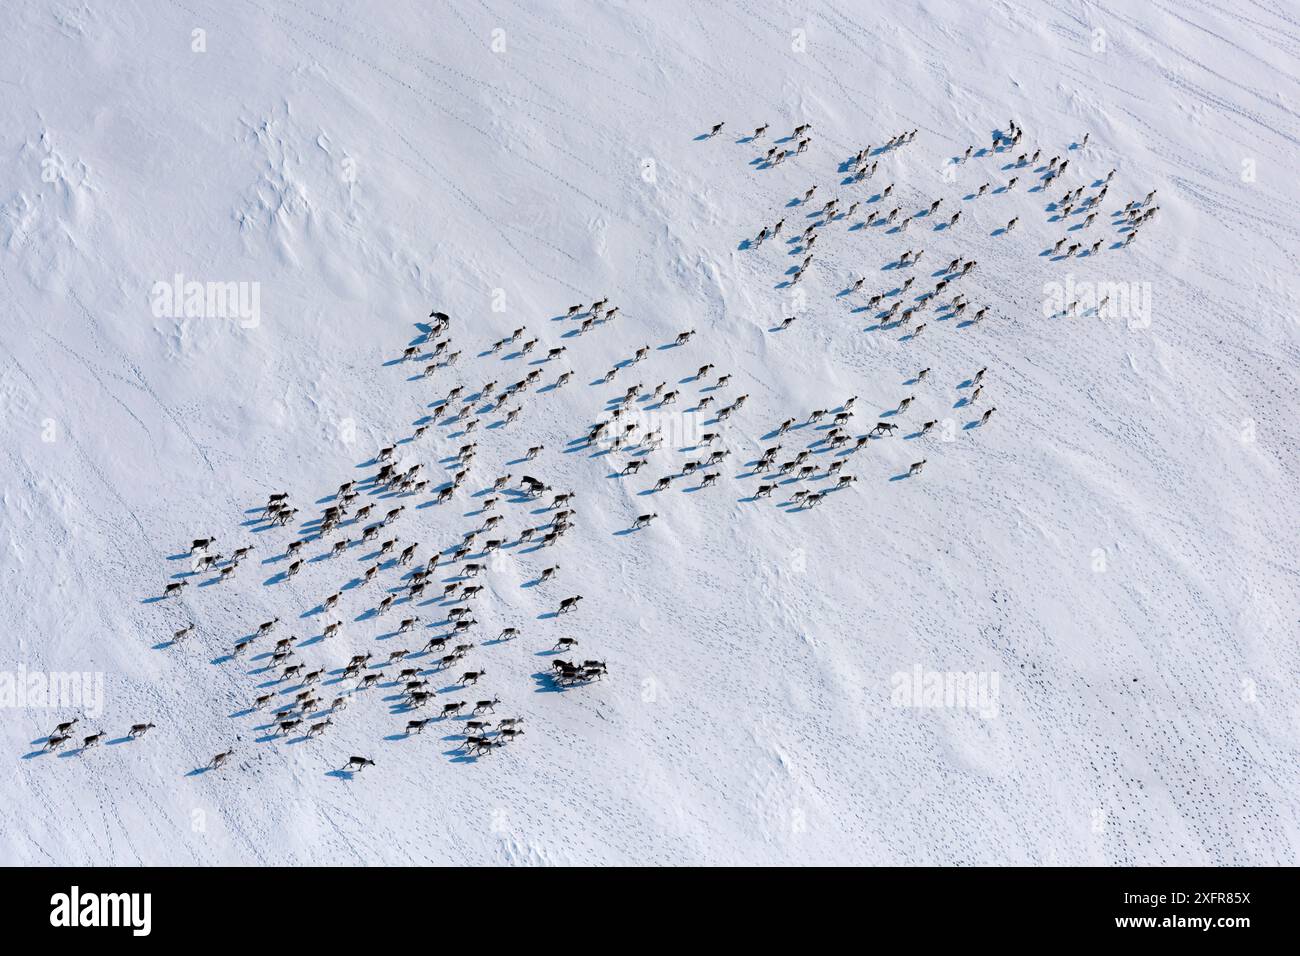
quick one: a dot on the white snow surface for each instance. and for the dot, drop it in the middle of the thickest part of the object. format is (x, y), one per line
(1117, 544)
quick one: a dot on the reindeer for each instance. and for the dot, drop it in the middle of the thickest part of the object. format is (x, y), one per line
(291, 671)
(642, 521)
(415, 697)
(357, 764)
(139, 730)
(916, 468)
(66, 726)
(175, 588)
(217, 762)
(476, 745)
(207, 562)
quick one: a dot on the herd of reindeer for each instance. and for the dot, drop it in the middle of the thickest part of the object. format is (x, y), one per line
(364, 513)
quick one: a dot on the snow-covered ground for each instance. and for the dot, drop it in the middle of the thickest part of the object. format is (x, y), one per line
(1112, 556)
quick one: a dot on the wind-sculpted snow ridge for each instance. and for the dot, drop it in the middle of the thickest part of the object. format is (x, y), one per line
(950, 522)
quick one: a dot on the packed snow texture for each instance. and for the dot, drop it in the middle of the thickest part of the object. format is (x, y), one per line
(1117, 545)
